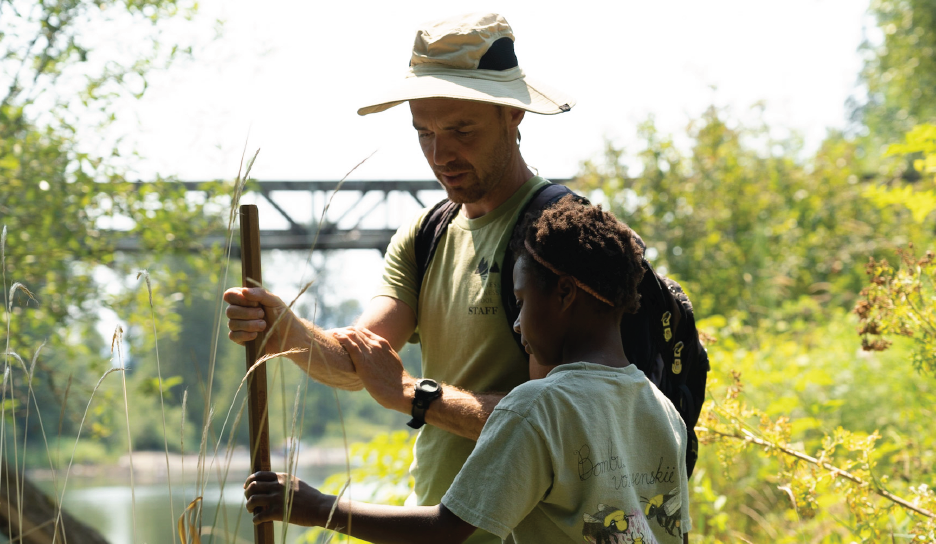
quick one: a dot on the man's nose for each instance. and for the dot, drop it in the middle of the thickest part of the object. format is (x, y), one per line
(442, 152)
(517, 325)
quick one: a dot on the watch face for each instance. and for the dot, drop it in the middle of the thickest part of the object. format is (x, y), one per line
(427, 386)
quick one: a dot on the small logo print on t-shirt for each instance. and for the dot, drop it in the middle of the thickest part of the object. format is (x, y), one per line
(489, 302)
(484, 268)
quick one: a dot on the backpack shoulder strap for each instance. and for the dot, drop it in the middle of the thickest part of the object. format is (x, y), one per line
(430, 231)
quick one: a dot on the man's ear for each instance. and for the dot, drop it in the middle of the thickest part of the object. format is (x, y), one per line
(567, 291)
(515, 116)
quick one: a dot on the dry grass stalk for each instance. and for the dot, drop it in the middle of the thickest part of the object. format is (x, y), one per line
(117, 339)
(162, 403)
(226, 469)
(317, 347)
(239, 183)
(6, 366)
(58, 518)
(16, 476)
(3, 236)
(182, 440)
(292, 460)
(189, 529)
(31, 394)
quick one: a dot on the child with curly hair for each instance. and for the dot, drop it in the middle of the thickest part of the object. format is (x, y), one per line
(587, 450)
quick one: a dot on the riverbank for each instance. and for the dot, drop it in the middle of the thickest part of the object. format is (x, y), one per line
(150, 467)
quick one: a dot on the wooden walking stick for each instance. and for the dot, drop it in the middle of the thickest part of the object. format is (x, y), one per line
(257, 383)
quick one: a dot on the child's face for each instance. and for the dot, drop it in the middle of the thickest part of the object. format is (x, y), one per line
(538, 323)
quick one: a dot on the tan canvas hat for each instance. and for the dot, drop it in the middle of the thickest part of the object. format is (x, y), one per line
(470, 57)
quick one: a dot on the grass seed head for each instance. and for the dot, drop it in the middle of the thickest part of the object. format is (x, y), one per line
(18, 358)
(19, 287)
(149, 286)
(32, 365)
(116, 339)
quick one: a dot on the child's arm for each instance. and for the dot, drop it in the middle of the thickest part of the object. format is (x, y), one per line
(376, 523)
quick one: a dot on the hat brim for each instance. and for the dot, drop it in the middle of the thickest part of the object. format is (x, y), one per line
(520, 92)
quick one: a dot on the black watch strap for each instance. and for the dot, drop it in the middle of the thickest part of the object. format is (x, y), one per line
(426, 391)
(419, 417)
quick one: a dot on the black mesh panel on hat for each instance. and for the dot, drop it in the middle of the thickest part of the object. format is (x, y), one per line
(500, 56)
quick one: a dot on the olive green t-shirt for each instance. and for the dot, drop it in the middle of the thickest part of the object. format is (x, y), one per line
(588, 453)
(464, 335)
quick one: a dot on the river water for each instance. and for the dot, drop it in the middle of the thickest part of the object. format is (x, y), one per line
(108, 506)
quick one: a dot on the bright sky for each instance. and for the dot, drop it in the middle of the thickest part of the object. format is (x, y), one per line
(294, 73)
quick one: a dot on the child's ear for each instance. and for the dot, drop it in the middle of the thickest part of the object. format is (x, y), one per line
(567, 291)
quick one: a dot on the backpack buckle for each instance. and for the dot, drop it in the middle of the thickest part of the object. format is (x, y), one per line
(667, 331)
(677, 353)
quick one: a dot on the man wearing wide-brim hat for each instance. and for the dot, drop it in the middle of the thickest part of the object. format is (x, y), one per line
(468, 96)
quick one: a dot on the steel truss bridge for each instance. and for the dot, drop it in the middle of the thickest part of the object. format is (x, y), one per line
(360, 215)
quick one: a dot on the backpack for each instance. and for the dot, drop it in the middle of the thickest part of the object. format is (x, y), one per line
(660, 338)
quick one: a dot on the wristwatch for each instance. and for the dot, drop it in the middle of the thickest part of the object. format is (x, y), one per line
(426, 391)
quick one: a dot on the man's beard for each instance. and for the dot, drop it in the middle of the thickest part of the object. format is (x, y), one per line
(479, 184)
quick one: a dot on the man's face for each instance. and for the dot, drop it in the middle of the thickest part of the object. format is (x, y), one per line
(467, 144)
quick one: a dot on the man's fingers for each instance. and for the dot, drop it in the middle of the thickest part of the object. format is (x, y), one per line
(244, 312)
(348, 343)
(375, 338)
(251, 296)
(251, 325)
(261, 295)
(240, 337)
(237, 296)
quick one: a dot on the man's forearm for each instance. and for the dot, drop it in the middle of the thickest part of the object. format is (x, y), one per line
(457, 411)
(383, 524)
(323, 358)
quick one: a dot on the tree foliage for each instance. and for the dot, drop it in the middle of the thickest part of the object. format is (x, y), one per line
(64, 59)
(64, 202)
(742, 222)
(899, 69)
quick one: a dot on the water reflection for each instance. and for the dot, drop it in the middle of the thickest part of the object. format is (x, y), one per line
(108, 507)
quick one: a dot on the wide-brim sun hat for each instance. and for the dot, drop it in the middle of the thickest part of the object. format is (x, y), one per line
(470, 57)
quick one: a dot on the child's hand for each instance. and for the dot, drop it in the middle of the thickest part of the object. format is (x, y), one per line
(266, 495)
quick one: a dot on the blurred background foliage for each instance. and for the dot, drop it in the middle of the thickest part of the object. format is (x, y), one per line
(810, 269)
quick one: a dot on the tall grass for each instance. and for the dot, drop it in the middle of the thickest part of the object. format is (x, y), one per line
(212, 459)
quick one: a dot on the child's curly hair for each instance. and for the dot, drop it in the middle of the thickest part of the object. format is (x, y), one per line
(589, 244)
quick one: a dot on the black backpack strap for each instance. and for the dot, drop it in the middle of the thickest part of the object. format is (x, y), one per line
(430, 231)
(435, 223)
(543, 198)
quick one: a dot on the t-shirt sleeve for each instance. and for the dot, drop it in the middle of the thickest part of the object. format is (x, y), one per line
(400, 269)
(507, 475)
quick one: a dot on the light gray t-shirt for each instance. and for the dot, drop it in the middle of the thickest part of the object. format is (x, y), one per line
(588, 453)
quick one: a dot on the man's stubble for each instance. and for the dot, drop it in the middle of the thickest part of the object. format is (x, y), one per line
(484, 180)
